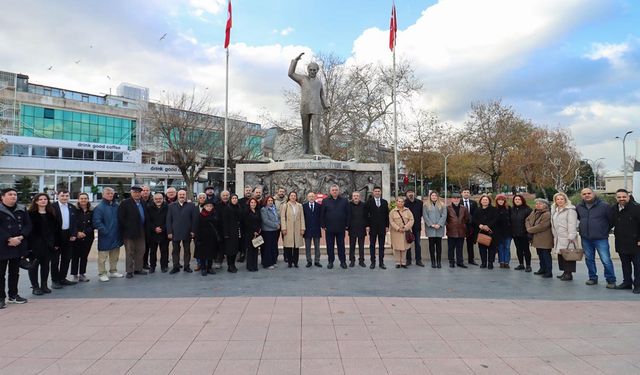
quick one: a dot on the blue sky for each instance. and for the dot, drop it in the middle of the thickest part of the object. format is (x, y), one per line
(570, 63)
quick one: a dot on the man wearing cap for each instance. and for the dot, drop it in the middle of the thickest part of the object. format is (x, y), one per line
(15, 226)
(209, 192)
(181, 227)
(133, 218)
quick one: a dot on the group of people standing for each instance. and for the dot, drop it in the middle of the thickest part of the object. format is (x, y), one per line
(55, 238)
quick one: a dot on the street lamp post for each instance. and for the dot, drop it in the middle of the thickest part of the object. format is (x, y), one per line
(624, 157)
(446, 186)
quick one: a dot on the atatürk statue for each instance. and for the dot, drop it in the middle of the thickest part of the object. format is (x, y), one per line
(312, 105)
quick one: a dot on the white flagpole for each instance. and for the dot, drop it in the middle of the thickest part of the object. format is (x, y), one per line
(226, 120)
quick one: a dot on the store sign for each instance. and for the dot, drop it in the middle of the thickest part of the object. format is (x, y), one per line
(101, 146)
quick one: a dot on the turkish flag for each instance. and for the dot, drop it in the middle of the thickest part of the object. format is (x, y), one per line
(393, 28)
(227, 33)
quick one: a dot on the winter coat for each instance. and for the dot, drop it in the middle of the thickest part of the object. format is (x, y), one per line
(484, 216)
(416, 210)
(335, 214)
(230, 222)
(396, 217)
(85, 224)
(293, 224)
(518, 216)
(457, 223)
(181, 220)
(105, 220)
(131, 223)
(358, 220)
(13, 224)
(157, 218)
(564, 225)
(627, 228)
(595, 222)
(251, 223)
(270, 219)
(538, 224)
(45, 234)
(207, 239)
(432, 215)
(503, 223)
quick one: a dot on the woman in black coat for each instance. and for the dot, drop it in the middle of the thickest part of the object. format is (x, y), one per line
(251, 228)
(519, 212)
(484, 221)
(230, 218)
(45, 237)
(207, 238)
(84, 239)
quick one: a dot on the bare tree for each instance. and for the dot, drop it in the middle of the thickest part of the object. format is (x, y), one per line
(190, 136)
(494, 130)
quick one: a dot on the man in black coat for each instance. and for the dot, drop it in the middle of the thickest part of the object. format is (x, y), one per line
(133, 218)
(15, 226)
(471, 206)
(626, 221)
(181, 227)
(147, 200)
(312, 230)
(335, 220)
(415, 206)
(377, 211)
(157, 233)
(357, 229)
(60, 259)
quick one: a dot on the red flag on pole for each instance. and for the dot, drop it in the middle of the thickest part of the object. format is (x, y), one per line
(393, 28)
(227, 32)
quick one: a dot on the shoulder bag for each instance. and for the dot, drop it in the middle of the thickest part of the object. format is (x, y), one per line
(408, 234)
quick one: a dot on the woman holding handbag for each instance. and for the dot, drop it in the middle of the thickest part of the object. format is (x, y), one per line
(434, 214)
(400, 222)
(564, 224)
(207, 238)
(484, 222)
(538, 224)
(252, 227)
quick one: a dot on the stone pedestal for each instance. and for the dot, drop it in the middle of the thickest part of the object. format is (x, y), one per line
(304, 176)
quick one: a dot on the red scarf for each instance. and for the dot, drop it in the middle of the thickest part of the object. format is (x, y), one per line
(205, 213)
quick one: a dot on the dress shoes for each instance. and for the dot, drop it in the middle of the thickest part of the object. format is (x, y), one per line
(174, 270)
(343, 265)
(140, 272)
(472, 262)
(452, 265)
(362, 264)
(490, 266)
(188, 270)
(372, 266)
(539, 272)
(623, 286)
(461, 265)
(318, 264)
(419, 263)
(67, 282)
(37, 292)
(145, 267)
(164, 269)
(309, 264)
(528, 269)
(636, 290)
(129, 275)
(152, 270)
(56, 285)
(330, 265)
(352, 263)
(567, 277)
(519, 268)
(547, 276)
(383, 267)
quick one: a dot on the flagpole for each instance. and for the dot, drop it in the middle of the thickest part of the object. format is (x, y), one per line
(226, 119)
(395, 122)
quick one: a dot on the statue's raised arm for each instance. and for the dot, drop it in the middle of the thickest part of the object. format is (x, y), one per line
(292, 70)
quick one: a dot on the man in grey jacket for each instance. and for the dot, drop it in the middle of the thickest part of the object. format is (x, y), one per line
(595, 223)
(181, 226)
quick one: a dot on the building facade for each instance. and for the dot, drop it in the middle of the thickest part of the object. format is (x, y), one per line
(64, 139)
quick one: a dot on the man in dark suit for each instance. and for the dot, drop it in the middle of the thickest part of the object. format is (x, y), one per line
(312, 231)
(66, 215)
(415, 206)
(377, 211)
(471, 206)
(157, 233)
(133, 218)
(147, 200)
(181, 227)
(335, 220)
(357, 229)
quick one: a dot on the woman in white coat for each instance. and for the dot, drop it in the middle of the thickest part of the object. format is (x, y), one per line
(434, 214)
(292, 219)
(564, 224)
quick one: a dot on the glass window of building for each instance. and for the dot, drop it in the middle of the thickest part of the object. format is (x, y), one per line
(67, 153)
(38, 151)
(88, 155)
(20, 150)
(52, 152)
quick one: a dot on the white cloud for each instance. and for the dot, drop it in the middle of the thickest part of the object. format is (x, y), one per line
(208, 6)
(284, 32)
(614, 53)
